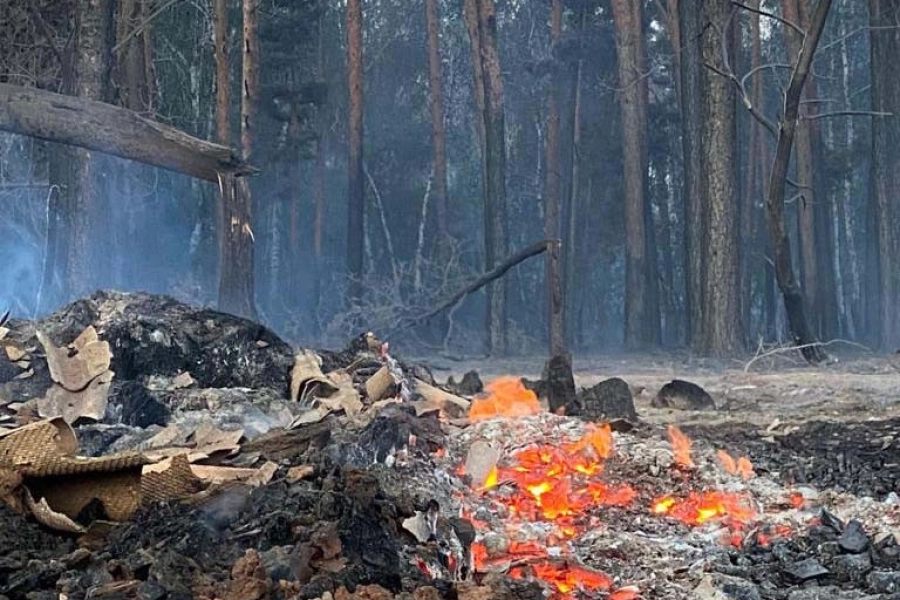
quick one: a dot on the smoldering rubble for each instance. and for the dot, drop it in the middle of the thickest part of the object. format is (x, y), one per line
(152, 449)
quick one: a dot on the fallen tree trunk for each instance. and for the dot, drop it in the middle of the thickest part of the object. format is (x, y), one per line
(492, 275)
(113, 130)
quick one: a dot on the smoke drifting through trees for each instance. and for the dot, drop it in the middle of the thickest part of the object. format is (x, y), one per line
(488, 125)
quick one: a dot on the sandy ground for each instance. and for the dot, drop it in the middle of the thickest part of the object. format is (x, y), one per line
(780, 389)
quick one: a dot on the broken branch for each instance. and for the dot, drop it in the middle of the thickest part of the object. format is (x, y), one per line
(770, 15)
(113, 130)
(492, 275)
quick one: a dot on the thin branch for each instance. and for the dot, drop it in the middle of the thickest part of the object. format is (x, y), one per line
(786, 349)
(756, 69)
(846, 113)
(142, 26)
(769, 15)
(46, 31)
(844, 37)
(757, 114)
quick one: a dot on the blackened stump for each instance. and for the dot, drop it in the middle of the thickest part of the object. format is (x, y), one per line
(610, 399)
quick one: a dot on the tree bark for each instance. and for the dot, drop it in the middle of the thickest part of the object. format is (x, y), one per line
(481, 21)
(722, 331)
(552, 200)
(691, 122)
(438, 133)
(573, 297)
(752, 182)
(884, 15)
(92, 25)
(355, 180)
(633, 107)
(113, 130)
(250, 87)
(806, 202)
(792, 293)
(237, 287)
(470, 15)
(223, 74)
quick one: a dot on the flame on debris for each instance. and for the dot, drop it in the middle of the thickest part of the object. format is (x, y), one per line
(699, 508)
(562, 484)
(599, 439)
(569, 578)
(552, 482)
(506, 397)
(681, 446)
(741, 467)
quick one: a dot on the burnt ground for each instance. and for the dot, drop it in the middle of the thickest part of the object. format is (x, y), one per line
(836, 426)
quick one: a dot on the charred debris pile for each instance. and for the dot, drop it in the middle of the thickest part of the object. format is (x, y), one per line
(154, 450)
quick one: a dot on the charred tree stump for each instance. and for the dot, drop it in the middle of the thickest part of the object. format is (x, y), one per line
(559, 384)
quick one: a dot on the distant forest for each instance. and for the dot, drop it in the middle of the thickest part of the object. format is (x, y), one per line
(715, 175)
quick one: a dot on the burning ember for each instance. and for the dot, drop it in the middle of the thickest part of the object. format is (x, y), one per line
(506, 397)
(698, 508)
(542, 498)
(569, 578)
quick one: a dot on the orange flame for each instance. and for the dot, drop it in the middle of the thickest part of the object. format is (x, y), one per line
(569, 578)
(599, 439)
(506, 397)
(681, 446)
(727, 462)
(742, 467)
(698, 508)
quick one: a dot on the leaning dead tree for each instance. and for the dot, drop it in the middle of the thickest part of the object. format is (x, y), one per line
(785, 130)
(794, 303)
(118, 131)
(486, 278)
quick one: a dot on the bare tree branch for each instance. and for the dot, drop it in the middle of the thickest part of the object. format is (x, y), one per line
(846, 113)
(850, 34)
(46, 31)
(769, 15)
(755, 70)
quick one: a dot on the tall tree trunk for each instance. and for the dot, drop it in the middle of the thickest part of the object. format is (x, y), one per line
(752, 187)
(470, 16)
(223, 73)
(691, 124)
(356, 189)
(633, 114)
(92, 24)
(806, 202)
(250, 87)
(651, 331)
(573, 296)
(794, 303)
(236, 267)
(481, 22)
(722, 331)
(552, 199)
(438, 134)
(884, 15)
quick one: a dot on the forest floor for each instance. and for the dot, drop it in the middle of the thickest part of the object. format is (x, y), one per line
(781, 389)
